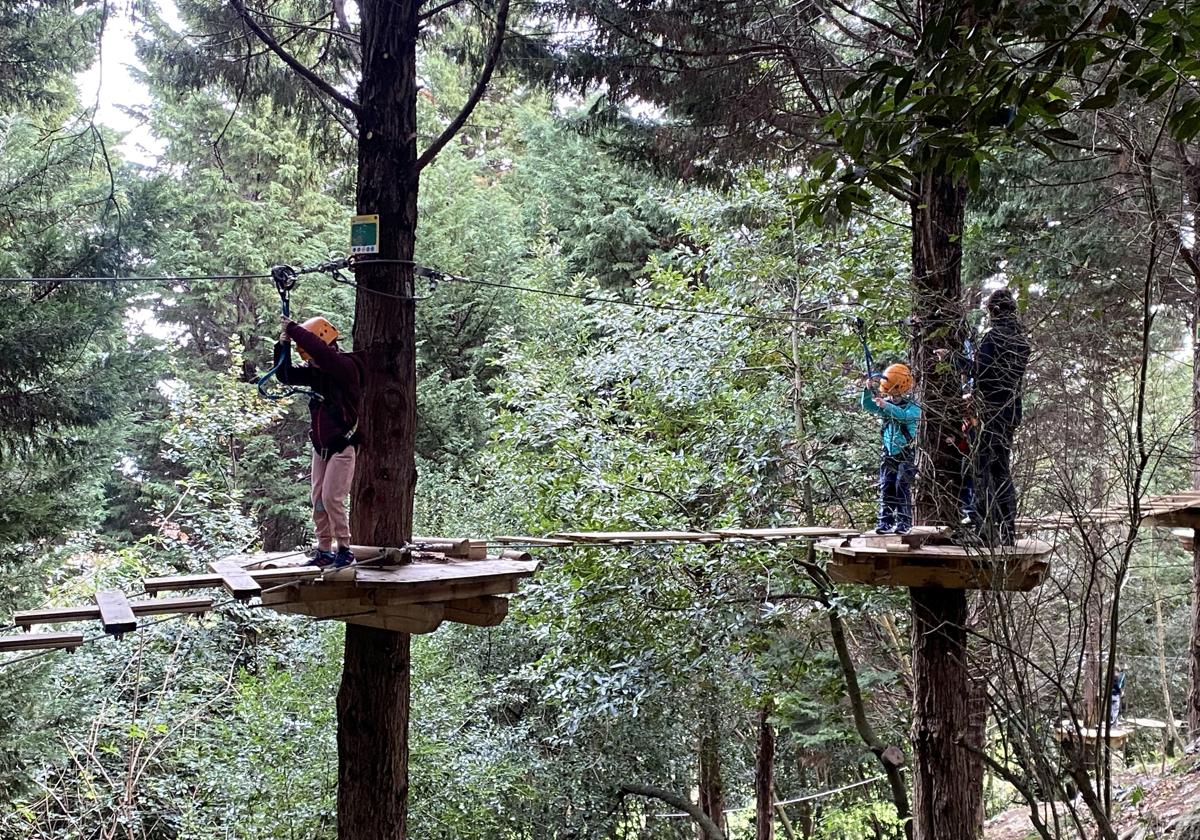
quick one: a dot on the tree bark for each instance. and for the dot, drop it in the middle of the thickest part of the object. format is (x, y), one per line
(1192, 183)
(712, 792)
(938, 214)
(764, 777)
(946, 791)
(946, 775)
(1160, 650)
(373, 701)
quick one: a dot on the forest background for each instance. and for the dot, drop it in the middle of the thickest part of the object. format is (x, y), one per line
(132, 442)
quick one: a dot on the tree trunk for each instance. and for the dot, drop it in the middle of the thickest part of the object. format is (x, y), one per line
(946, 775)
(712, 793)
(1193, 698)
(764, 777)
(374, 697)
(1160, 651)
(937, 226)
(946, 779)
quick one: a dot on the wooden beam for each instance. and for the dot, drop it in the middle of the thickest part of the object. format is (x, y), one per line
(446, 572)
(116, 615)
(806, 532)
(549, 542)
(483, 611)
(41, 641)
(157, 606)
(379, 555)
(397, 624)
(638, 536)
(265, 577)
(236, 580)
(405, 618)
(444, 545)
(430, 593)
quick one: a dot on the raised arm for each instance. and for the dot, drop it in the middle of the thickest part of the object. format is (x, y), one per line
(868, 403)
(906, 413)
(329, 360)
(285, 372)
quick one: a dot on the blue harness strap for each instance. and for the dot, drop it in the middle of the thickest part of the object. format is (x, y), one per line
(284, 277)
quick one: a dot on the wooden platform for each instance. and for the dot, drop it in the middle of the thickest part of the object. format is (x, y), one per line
(924, 562)
(1178, 510)
(1066, 732)
(413, 597)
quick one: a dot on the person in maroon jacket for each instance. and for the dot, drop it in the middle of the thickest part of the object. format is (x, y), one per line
(336, 380)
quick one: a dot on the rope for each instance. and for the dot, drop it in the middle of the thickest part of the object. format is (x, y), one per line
(433, 274)
(160, 278)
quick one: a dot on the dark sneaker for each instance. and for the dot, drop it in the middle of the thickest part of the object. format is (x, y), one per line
(343, 558)
(884, 529)
(900, 529)
(322, 559)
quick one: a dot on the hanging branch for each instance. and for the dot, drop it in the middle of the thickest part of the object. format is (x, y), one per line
(703, 821)
(481, 84)
(291, 61)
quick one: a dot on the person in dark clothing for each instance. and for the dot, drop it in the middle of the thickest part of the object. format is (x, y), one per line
(997, 372)
(336, 380)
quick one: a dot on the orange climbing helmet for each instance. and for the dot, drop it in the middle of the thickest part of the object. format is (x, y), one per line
(896, 381)
(322, 329)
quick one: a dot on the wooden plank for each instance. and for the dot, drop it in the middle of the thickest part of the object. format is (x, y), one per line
(321, 591)
(516, 554)
(90, 612)
(549, 542)
(116, 616)
(234, 578)
(397, 624)
(265, 577)
(637, 536)
(451, 547)
(1011, 578)
(446, 572)
(406, 618)
(379, 555)
(41, 641)
(484, 611)
(785, 533)
(427, 593)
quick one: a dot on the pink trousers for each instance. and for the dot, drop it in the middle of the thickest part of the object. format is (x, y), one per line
(330, 486)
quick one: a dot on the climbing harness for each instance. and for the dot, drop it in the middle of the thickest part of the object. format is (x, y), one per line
(284, 277)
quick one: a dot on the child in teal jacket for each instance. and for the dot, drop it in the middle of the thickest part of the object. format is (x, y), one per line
(897, 466)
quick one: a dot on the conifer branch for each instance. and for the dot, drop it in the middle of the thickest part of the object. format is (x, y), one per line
(440, 7)
(291, 61)
(481, 84)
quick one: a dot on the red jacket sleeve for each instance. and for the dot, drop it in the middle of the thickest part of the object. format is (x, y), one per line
(331, 361)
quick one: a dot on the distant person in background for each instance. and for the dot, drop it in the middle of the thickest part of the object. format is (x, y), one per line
(1114, 705)
(996, 372)
(897, 465)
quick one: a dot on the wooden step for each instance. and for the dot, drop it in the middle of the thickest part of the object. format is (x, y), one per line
(41, 641)
(116, 615)
(91, 612)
